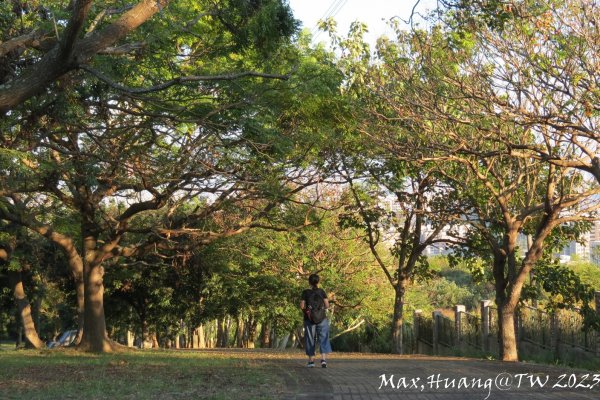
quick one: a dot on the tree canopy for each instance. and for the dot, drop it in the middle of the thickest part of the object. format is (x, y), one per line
(180, 167)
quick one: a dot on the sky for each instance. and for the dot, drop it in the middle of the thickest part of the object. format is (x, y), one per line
(372, 12)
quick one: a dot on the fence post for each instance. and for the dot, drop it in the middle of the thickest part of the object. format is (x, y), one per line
(597, 298)
(518, 328)
(458, 324)
(436, 316)
(485, 324)
(554, 334)
(416, 317)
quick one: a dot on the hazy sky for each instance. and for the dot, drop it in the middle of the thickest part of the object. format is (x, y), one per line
(372, 12)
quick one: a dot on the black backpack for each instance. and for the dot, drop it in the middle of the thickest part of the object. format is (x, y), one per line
(315, 306)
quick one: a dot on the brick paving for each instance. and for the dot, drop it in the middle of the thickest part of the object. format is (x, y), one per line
(359, 377)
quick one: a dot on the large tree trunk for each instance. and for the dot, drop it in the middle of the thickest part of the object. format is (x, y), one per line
(505, 275)
(265, 335)
(24, 309)
(239, 332)
(220, 332)
(201, 337)
(507, 332)
(398, 318)
(226, 330)
(95, 338)
(508, 290)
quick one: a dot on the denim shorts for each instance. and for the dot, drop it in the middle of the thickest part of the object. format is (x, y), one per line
(314, 332)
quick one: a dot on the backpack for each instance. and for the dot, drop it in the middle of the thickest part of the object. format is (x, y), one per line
(315, 307)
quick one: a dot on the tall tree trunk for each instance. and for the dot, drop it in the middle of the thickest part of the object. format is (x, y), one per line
(226, 329)
(201, 337)
(95, 338)
(282, 343)
(251, 332)
(144, 325)
(508, 291)
(508, 337)
(273, 336)
(24, 310)
(239, 332)
(265, 335)
(398, 318)
(220, 332)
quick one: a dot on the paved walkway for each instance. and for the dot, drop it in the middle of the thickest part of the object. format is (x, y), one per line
(367, 377)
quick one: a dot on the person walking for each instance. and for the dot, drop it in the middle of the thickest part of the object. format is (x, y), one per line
(314, 303)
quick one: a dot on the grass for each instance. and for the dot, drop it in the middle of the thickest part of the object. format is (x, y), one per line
(546, 357)
(66, 374)
(7, 346)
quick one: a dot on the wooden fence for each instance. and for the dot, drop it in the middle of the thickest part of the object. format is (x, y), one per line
(561, 335)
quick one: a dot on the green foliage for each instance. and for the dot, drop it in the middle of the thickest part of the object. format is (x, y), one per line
(46, 281)
(566, 290)
(492, 13)
(477, 267)
(587, 272)
(264, 272)
(90, 150)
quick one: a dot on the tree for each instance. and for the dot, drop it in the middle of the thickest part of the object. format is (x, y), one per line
(415, 217)
(14, 267)
(425, 79)
(48, 54)
(538, 61)
(92, 141)
(261, 274)
(373, 176)
(38, 283)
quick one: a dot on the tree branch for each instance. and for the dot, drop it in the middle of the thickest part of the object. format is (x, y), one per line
(70, 52)
(27, 40)
(180, 80)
